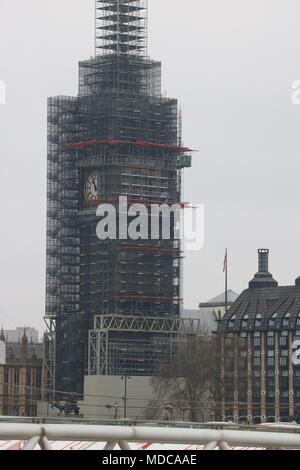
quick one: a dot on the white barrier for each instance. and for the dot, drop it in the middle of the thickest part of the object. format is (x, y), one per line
(41, 434)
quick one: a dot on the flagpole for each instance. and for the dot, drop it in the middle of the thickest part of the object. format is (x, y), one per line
(226, 283)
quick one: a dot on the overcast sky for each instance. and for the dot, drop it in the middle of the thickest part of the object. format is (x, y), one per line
(231, 64)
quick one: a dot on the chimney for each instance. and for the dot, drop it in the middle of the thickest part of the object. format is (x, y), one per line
(263, 260)
(263, 278)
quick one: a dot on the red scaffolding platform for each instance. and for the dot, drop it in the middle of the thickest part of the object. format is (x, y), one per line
(139, 143)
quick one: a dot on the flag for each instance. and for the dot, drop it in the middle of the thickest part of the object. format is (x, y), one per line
(225, 262)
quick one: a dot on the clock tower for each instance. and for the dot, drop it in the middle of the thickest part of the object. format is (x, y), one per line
(118, 137)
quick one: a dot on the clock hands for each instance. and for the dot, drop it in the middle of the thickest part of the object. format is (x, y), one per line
(91, 188)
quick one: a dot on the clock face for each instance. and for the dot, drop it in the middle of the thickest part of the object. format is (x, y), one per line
(92, 187)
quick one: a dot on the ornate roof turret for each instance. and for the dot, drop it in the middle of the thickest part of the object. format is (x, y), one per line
(2, 337)
(24, 339)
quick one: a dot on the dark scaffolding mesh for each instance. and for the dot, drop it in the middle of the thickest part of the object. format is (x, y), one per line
(124, 132)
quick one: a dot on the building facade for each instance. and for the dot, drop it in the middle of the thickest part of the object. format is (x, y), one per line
(15, 336)
(20, 376)
(118, 137)
(260, 379)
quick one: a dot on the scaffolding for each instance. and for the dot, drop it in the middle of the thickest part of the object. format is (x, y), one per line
(122, 130)
(138, 346)
(121, 27)
(48, 380)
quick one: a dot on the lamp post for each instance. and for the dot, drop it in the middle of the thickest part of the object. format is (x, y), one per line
(115, 406)
(116, 410)
(125, 378)
(170, 407)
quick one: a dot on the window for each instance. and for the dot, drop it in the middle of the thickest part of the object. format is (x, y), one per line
(283, 361)
(272, 320)
(271, 383)
(284, 383)
(229, 340)
(5, 388)
(256, 383)
(245, 321)
(257, 320)
(16, 380)
(283, 340)
(231, 321)
(297, 381)
(285, 321)
(28, 377)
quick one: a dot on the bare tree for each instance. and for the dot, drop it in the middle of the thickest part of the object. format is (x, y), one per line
(186, 385)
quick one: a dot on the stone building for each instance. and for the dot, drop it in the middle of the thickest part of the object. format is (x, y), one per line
(20, 376)
(260, 379)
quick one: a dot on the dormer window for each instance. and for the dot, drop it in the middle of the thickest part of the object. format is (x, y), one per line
(272, 320)
(285, 321)
(257, 320)
(231, 321)
(245, 321)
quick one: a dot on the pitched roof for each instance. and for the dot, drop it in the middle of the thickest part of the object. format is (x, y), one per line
(267, 302)
(220, 299)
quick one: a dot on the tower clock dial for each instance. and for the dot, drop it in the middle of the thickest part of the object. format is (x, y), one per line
(92, 187)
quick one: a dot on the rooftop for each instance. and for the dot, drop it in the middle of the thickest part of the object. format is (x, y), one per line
(263, 301)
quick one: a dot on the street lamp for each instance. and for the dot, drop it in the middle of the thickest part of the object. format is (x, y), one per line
(170, 407)
(115, 406)
(125, 378)
(116, 410)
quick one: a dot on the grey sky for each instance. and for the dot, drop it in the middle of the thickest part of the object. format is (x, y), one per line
(231, 64)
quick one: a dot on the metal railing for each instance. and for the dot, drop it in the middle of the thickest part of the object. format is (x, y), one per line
(42, 434)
